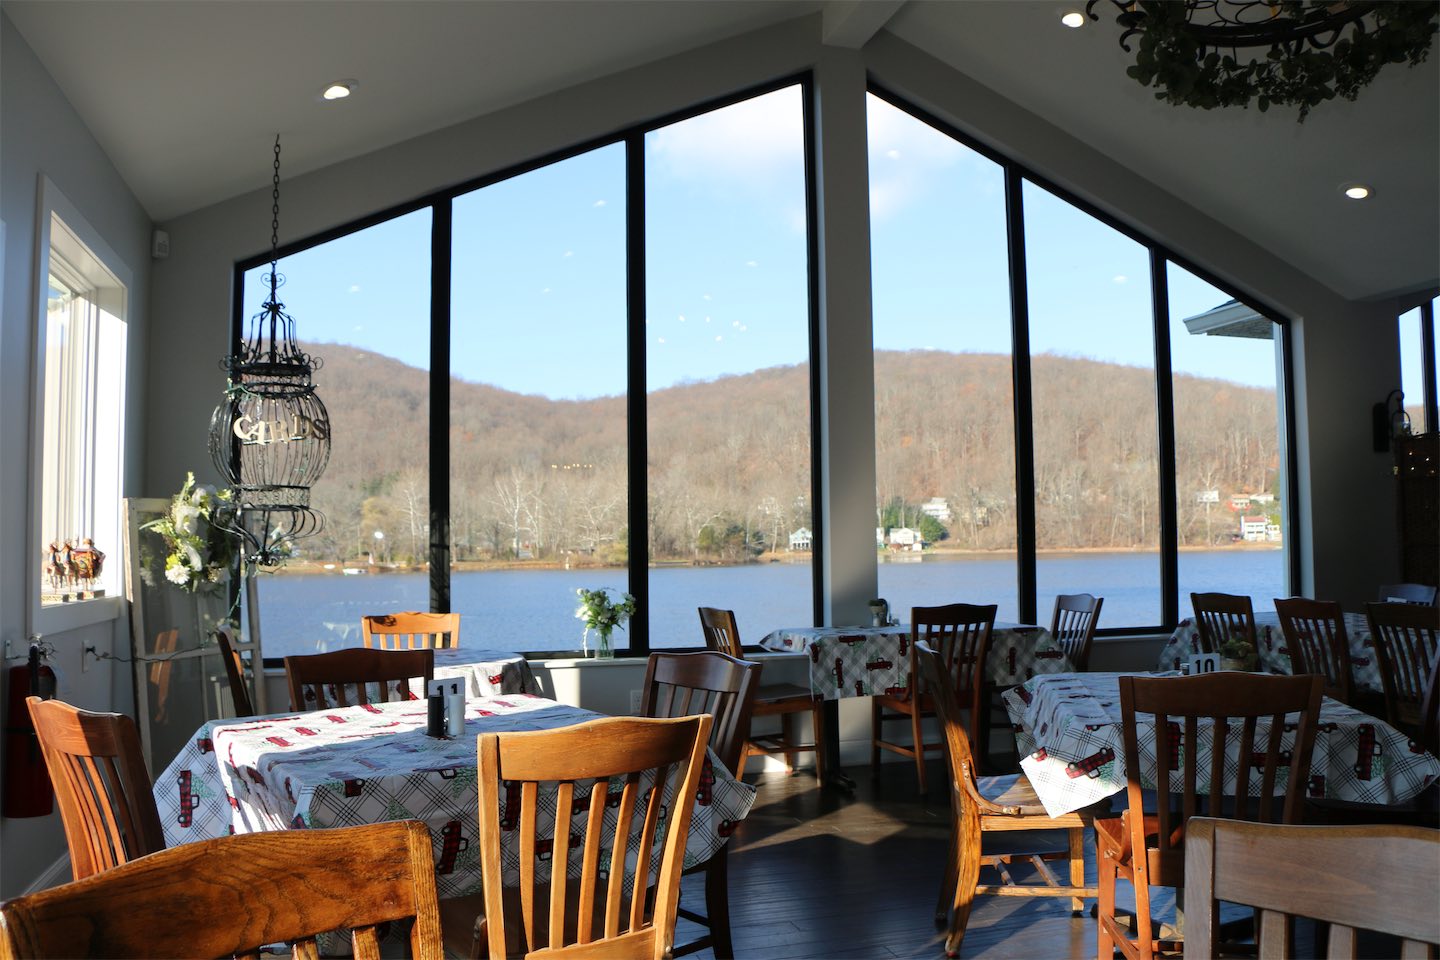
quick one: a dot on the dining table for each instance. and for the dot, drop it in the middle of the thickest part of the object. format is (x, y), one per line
(862, 661)
(1070, 737)
(375, 763)
(1273, 653)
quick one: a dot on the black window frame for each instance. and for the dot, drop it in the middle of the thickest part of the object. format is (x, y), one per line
(1016, 174)
(441, 205)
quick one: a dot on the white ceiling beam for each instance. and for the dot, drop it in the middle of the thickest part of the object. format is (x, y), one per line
(851, 23)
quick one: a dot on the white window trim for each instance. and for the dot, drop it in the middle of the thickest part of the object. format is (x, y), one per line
(70, 616)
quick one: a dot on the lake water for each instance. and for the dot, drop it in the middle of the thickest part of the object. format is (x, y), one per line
(534, 610)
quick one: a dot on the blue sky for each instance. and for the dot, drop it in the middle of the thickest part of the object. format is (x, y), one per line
(538, 298)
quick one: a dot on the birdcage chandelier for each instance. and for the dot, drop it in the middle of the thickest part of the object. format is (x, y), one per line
(270, 435)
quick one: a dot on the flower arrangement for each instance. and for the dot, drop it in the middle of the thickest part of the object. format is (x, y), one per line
(603, 615)
(1240, 649)
(202, 549)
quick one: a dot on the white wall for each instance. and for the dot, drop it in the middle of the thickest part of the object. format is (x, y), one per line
(43, 135)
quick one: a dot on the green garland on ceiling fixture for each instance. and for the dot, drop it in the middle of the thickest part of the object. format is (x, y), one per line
(1304, 52)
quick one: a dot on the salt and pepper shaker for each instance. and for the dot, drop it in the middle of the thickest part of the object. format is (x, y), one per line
(455, 713)
(435, 724)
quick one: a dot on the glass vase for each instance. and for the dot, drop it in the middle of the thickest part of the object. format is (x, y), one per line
(603, 649)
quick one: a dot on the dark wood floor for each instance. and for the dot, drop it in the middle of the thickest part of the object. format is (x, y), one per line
(822, 874)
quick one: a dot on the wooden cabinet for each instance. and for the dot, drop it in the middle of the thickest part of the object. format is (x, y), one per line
(1417, 475)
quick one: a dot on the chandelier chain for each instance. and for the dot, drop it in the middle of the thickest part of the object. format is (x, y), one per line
(275, 204)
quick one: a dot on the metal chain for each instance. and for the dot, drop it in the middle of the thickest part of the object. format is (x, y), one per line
(275, 202)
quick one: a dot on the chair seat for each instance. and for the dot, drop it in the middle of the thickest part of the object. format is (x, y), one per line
(1016, 790)
(782, 693)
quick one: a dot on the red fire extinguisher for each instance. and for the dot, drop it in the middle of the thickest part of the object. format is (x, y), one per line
(27, 782)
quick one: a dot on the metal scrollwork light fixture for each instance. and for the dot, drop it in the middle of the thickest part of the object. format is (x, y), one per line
(270, 436)
(1297, 52)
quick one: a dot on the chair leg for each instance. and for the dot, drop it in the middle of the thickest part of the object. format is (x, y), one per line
(787, 732)
(1144, 930)
(1105, 906)
(967, 864)
(952, 874)
(917, 736)
(1077, 867)
(875, 713)
(817, 714)
(717, 904)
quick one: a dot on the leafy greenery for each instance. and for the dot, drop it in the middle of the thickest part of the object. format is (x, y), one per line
(202, 550)
(1173, 59)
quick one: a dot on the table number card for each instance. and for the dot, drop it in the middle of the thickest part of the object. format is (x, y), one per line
(1202, 663)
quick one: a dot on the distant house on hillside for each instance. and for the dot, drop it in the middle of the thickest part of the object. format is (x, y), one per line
(1239, 501)
(1252, 529)
(937, 507)
(1262, 498)
(801, 539)
(905, 538)
(879, 537)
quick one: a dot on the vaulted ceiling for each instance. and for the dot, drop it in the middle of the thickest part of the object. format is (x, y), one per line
(185, 97)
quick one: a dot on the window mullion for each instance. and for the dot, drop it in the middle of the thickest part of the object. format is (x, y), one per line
(1165, 428)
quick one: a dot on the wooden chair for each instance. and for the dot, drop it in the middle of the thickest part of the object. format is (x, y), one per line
(1379, 878)
(101, 783)
(411, 631)
(1420, 593)
(310, 677)
(607, 911)
(1220, 616)
(231, 896)
(685, 684)
(1149, 849)
(1073, 626)
(235, 671)
(784, 700)
(1430, 711)
(960, 634)
(1405, 637)
(1315, 636)
(980, 805)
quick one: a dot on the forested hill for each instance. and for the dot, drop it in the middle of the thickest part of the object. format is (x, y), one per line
(729, 458)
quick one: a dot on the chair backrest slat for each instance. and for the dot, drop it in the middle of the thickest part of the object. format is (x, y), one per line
(598, 757)
(101, 784)
(316, 677)
(686, 684)
(1221, 616)
(1405, 638)
(1073, 626)
(1380, 878)
(233, 895)
(720, 631)
(411, 630)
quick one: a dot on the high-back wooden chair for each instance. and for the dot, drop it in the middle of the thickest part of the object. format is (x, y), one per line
(1073, 626)
(101, 783)
(1221, 709)
(235, 673)
(1405, 637)
(340, 678)
(231, 896)
(1420, 593)
(1430, 711)
(1221, 616)
(610, 836)
(785, 700)
(980, 805)
(1315, 636)
(1379, 878)
(682, 685)
(960, 634)
(411, 631)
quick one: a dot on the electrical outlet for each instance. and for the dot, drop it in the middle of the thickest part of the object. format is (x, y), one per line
(85, 656)
(634, 702)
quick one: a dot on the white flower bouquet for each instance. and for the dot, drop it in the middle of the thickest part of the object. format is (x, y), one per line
(603, 615)
(197, 531)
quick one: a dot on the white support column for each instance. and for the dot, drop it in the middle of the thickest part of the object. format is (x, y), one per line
(847, 370)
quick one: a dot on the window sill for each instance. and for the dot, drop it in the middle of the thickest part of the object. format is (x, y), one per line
(64, 617)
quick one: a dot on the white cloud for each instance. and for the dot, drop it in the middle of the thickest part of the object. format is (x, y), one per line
(705, 296)
(735, 324)
(544, 289)
(569, 253)
(659, 339)
(354, 288)
(896, 136)
(718, 339)
(1120, 278)
(599, 203)
(752, 263)
(707, 319)
(751, 143)
(682, 318)
(893, 154)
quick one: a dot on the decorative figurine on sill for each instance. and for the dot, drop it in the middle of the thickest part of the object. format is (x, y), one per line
(86, 563)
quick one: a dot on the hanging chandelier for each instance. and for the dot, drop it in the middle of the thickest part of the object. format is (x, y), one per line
(1226, 53)
(270, 435)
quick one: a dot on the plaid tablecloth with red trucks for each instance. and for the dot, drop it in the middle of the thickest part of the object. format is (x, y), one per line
(864, 661)
(374, 763)
(1068, 732)
(1275, 656)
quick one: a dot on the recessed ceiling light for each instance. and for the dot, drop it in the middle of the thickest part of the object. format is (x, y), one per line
(338, 90)
(1355, 191)
(1073, 19)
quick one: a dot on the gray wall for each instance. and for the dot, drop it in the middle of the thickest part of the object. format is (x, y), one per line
(43, 135)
